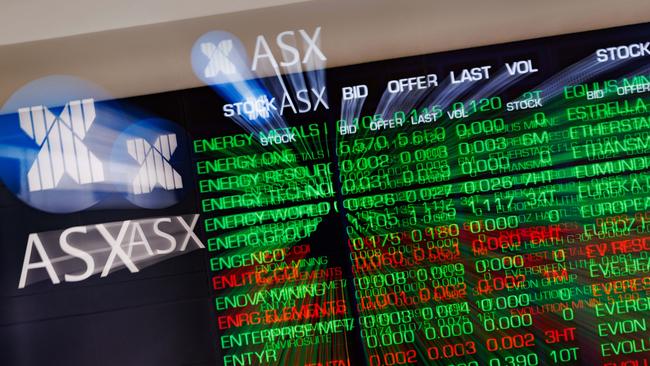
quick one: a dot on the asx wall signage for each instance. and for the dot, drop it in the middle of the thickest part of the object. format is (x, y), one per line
(291, 55)
(77, 253)
(220, 60)
(61, 147)
(64, 152)
(65, 146)
(220, 57)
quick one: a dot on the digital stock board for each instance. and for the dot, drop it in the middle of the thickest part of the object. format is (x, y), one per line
(479, 207)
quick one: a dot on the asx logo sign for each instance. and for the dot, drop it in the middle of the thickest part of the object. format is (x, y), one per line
(62, 150)
(219, 61)
(220, 57)
(291, 55)
(77, 253)
(66, 154)
(155, 167)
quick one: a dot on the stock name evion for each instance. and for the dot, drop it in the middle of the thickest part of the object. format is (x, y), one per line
(77, 253)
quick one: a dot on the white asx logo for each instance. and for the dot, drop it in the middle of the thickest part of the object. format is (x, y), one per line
(291, 53)
(62, 148)
(76, 253)
(155, 168)
(220, 57)
(219, 61)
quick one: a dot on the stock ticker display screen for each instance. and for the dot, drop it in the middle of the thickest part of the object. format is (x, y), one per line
(479, 207)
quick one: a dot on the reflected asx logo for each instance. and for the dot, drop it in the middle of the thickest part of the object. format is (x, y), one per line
(220, 57)
(286, 42)
(149, 160)
(65, 146)
(155, 168)
(62, 150)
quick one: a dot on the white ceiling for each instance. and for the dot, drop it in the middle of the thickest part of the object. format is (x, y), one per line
(152, 58)
(33, 20)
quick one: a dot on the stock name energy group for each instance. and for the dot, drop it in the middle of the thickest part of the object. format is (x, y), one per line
(481, 207)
